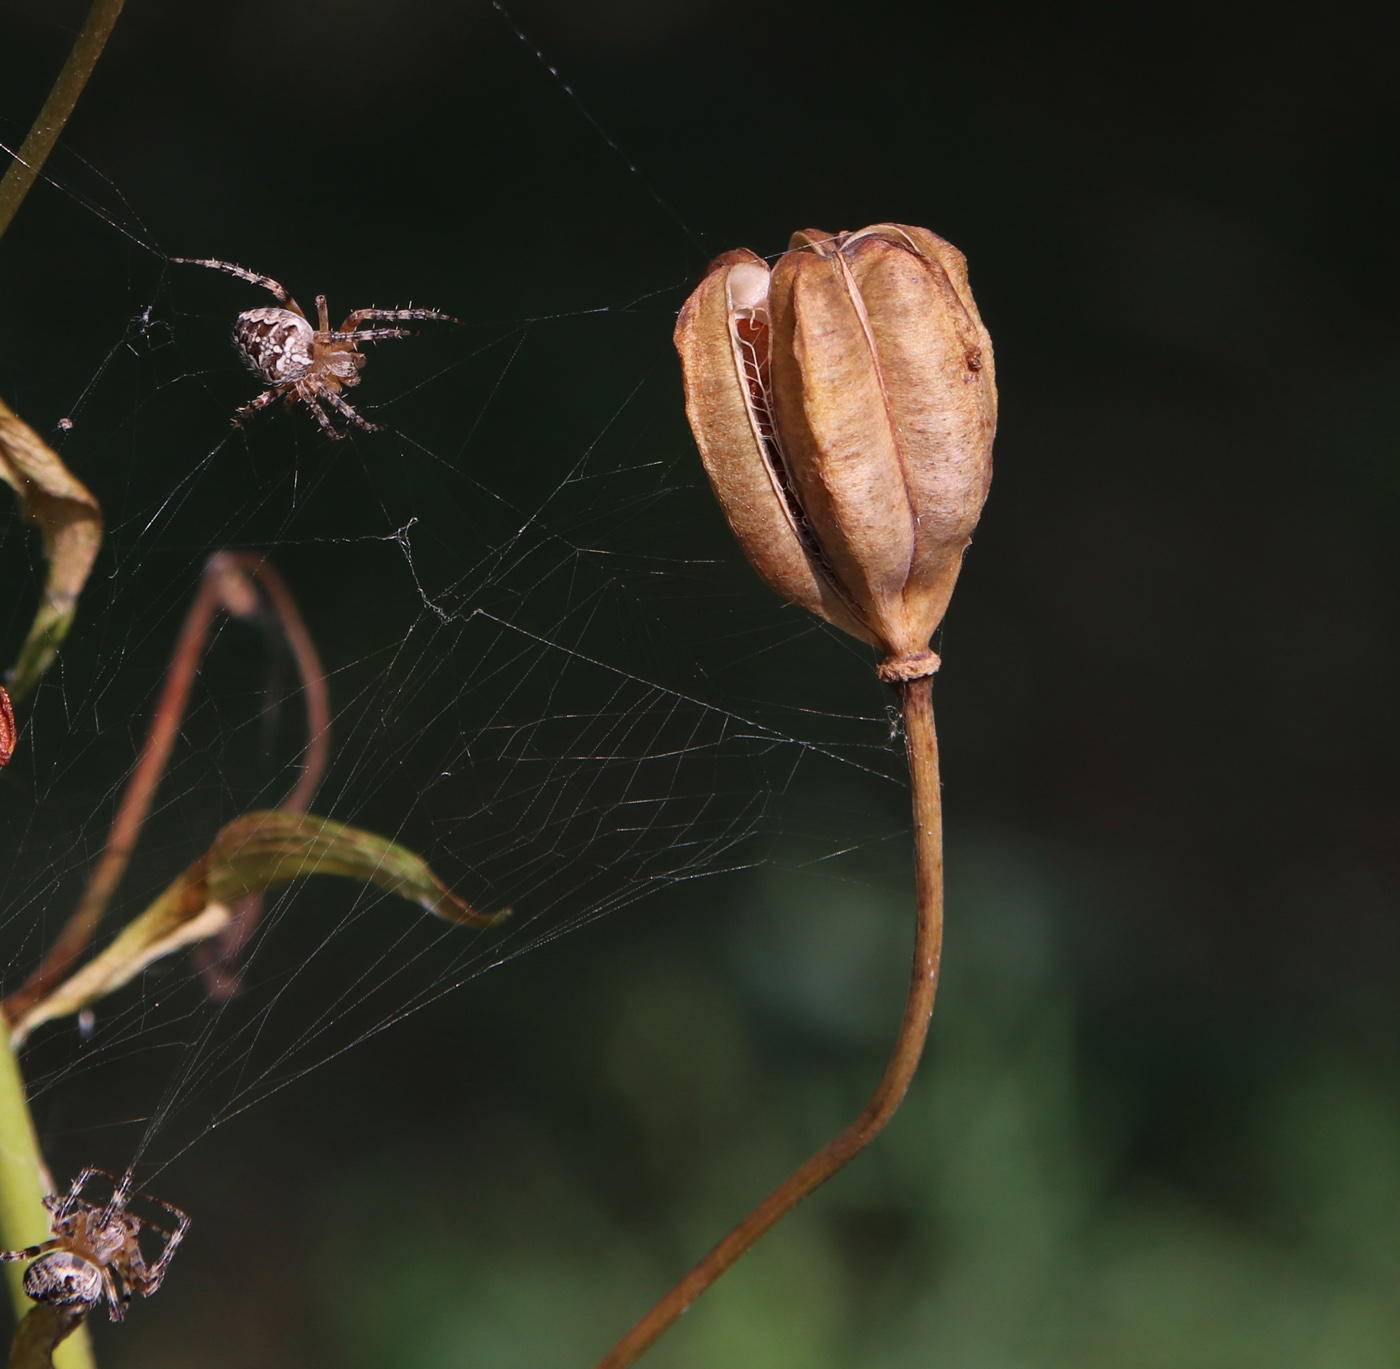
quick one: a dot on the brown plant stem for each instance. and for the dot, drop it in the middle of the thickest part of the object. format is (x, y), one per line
(921, 746)
(217, 960)
(35, 149)
(219, 589)
(135, 805)
(315, 697)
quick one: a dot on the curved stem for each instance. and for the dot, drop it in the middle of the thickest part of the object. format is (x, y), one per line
(220, 589)
(135, 805)
(34, 151)
(921, 744)
(315, 697)
(217, 960)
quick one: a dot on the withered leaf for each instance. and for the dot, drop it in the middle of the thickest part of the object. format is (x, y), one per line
(259, 851)
(70, 520)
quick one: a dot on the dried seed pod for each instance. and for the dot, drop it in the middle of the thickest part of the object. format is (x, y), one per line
(844, 408)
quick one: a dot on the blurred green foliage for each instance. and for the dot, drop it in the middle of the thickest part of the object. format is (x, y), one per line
(1000, 1223)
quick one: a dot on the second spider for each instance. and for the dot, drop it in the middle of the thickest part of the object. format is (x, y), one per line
(305, 364)
(95, 1249)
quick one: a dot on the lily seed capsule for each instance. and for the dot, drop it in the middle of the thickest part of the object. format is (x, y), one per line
(844, 406)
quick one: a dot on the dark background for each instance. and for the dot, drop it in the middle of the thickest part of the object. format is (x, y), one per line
(1159, 1124)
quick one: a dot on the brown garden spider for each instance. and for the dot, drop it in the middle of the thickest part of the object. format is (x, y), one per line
(93, 1247)
(301, 362)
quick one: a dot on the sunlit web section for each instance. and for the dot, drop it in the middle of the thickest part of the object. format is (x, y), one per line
(550, 674)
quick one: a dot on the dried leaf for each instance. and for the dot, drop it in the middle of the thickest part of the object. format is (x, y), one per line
(70, 519)
(258, 851)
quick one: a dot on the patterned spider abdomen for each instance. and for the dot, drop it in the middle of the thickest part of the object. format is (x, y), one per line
(63, 1279)
(275, 344)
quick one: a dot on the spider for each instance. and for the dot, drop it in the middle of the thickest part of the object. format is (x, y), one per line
(93, 1247)
(304, 363)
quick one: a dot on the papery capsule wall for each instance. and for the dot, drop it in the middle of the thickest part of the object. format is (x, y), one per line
(886, 401)
(830, 406)
(723, 337)
(940, 378)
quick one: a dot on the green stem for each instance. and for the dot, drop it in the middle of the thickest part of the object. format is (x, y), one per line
(34, 152)
(24, 1180)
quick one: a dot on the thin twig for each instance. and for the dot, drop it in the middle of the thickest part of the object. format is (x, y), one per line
(223, 587)
(35, 149)
(922, 747)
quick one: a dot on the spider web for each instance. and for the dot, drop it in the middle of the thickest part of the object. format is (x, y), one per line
(551, 674)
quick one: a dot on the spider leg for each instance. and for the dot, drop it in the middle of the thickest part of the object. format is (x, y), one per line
(393, 315)
(261, 402)
(251, 277)
(152, 1278)
(311, 397)
(116, 1303)
(73, 1197)
(369, 335)
(181, 1219)
(89, 1173)
(350, 413)
(29, 1252)
(323, 314)
(123, 1192)
(146, 1224)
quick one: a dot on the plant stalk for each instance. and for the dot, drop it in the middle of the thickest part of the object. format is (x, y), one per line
(135, 804)
(141, 789)
(34, 151)
(24, 1180)
(217, 960)
(921, 746)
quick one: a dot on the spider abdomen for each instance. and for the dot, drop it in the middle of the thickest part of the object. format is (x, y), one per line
(63, 1279)
(275, 344)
